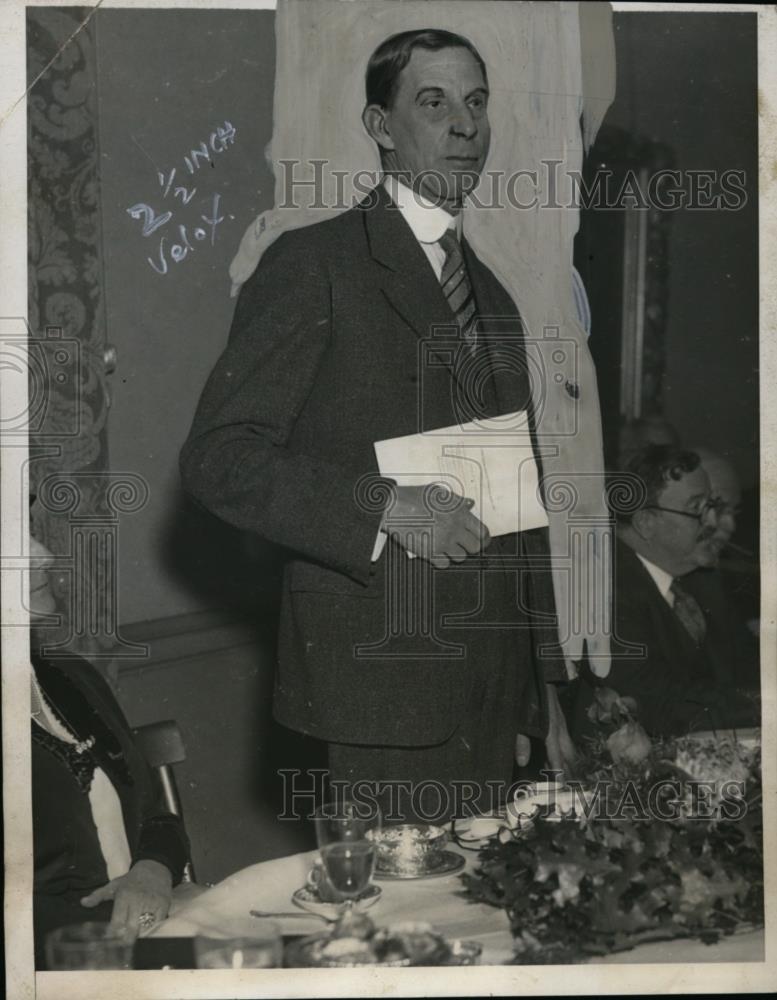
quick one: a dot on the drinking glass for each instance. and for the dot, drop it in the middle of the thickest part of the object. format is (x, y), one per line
(345, 832)
(90, 945)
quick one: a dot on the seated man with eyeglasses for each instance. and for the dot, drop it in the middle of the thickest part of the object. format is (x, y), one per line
(670, 657)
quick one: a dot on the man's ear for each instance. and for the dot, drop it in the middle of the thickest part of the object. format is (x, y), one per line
(643, 522)
(375, 121)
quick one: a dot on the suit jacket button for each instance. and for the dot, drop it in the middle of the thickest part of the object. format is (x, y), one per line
(573, 389)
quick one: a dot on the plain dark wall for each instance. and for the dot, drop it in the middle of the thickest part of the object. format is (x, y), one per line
(690, 80)
(230, 796)
(166, 79)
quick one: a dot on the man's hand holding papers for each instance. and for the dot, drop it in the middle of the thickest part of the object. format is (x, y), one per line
(441, 476)
(440, 532)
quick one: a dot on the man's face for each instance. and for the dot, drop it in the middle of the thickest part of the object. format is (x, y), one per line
(438, 124)
(42, 601)
(679, 543)
(725, 487)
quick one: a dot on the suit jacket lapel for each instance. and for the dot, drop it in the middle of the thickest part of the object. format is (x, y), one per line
(412, 290)
(407, 280)
(690, 661)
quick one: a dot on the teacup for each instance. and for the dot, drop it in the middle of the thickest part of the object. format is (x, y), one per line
(552, 798)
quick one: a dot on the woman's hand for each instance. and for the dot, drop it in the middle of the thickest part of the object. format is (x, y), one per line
(147, 888)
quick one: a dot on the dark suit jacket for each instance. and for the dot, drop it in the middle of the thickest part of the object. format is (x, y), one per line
(68, 859)
(343, 337)
(679, 687)
(737, 650)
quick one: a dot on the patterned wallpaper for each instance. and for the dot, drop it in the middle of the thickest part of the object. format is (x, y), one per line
(78, 503)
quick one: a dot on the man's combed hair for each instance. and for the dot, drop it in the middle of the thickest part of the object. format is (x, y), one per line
(645, 477)
(390, 58)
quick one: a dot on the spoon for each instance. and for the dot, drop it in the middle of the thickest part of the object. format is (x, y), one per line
(308, 913)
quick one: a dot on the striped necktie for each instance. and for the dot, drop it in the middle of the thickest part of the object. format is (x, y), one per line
(456, 287)
(690, 614)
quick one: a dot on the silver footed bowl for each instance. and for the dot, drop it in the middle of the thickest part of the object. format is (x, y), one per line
(409, 848)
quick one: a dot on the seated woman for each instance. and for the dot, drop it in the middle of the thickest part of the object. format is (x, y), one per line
(105, 846)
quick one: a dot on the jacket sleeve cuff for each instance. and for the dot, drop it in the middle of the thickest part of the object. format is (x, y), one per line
(163, 839)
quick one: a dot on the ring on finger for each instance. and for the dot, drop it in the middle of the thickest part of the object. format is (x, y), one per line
(146, 919)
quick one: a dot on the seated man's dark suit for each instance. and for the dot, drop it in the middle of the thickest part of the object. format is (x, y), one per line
(331, 349)
(737, 649)
(678, 686)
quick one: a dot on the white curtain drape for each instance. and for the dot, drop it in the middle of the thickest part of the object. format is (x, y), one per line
(551, 70)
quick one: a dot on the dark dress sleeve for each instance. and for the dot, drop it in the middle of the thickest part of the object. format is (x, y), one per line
(68, 858)
(153, 832)
(90, 708)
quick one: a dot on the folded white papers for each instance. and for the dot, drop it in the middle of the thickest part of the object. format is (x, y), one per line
(490, 461)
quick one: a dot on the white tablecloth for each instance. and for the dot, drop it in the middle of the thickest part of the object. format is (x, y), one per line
(224, 909)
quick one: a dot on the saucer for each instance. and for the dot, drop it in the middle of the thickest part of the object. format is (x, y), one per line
(448, 864)
(307, 899)
(476, 831)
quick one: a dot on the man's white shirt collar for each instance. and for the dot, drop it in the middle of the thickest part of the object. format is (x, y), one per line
(427, 220)
(661, 578)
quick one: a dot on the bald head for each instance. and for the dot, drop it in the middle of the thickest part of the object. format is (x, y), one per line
(722, 475)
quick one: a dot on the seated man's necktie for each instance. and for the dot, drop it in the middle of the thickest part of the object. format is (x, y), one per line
(690, 614)
(456, 286)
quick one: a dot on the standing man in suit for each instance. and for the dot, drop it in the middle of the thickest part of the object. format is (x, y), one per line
(381, 322)
(675, 660)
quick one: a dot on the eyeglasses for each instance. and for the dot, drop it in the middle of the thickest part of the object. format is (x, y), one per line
(712, 506)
